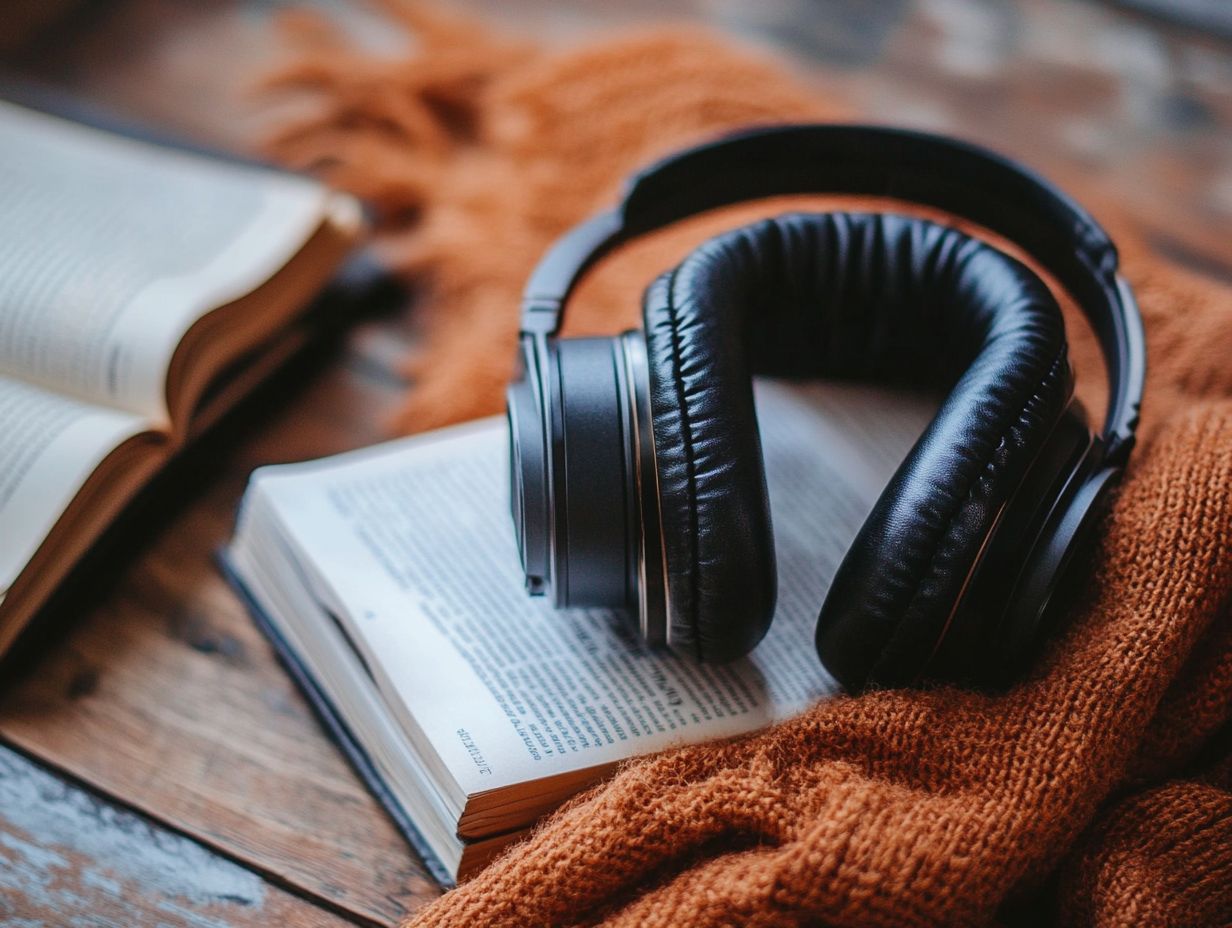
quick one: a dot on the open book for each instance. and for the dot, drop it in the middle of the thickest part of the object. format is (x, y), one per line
(135, 281)
(389, 580)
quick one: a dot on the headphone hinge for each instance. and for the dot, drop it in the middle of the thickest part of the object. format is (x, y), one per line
(1118, 449)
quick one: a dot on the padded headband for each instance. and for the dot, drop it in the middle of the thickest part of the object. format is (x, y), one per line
(959, 178)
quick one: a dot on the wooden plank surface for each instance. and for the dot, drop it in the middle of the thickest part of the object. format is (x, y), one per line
(69, 858)
(167, 697)
(157, 690)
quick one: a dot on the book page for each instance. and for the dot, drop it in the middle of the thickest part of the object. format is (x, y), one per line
(410, 545)
(51, 445)
(111, 248)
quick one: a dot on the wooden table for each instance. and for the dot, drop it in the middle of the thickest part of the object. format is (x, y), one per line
(156, 764)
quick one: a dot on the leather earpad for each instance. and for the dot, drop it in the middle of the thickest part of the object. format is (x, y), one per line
(871, 296)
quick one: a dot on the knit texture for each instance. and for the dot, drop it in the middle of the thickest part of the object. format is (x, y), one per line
(1096, 791)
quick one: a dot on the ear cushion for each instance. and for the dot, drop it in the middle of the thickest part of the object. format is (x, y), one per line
(873, 296)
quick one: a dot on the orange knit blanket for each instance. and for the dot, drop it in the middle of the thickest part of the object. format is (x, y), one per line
(1097, 791)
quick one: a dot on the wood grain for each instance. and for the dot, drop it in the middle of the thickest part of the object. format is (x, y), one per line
(167, 696)
(67, 857)
(156, 689)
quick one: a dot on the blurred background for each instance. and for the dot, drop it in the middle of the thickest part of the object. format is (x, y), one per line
(1128, 99)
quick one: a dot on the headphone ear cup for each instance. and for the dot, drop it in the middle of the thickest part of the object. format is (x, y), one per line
(1059, 538)
(865, 295)
(998, 621)
(898, 590)
(715, 511)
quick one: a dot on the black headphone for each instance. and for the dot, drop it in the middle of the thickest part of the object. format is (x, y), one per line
(636, 469)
